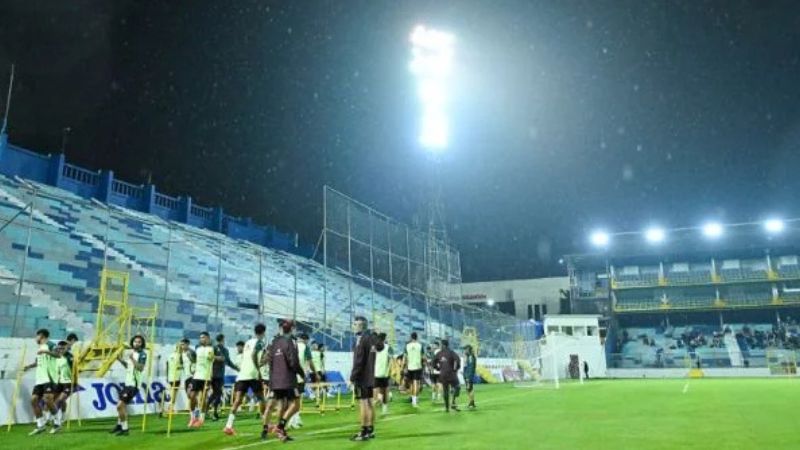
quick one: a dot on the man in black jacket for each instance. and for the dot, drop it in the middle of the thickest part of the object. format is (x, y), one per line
(362, 376)
(284, 369)
(447, 362)
(221, 359)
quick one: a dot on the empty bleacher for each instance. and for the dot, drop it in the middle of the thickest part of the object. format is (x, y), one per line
(201, 280)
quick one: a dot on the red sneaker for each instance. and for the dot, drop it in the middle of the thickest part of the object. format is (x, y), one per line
(229, 431)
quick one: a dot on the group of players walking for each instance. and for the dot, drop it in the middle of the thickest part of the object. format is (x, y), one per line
(272, 374)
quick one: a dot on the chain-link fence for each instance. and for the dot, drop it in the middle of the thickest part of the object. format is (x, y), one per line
(402, 271)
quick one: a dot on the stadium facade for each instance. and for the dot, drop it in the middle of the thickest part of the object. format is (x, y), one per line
(694, 302)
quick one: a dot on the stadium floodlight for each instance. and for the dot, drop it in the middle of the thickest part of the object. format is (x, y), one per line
(600, 238)
(774, 226)
(432, 64)
(655, 235)
(490, 302)
(713, 230)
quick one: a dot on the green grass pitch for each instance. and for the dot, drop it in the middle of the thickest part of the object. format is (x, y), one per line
(601, 414)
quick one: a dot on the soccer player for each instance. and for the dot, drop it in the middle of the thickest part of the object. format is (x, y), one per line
(383, 359)
(63, 382)
(201, 380)
(221, 359)
(413, 360)
(362, 376)
(447, 363)
(248, 377)
(72, 338)
(134, 373)
(306, 362)
(470, 366)
(284, 371)
(433, 371)
(263, 370)
(188, 358)
(175, 367)
(43, 389)
(318, 360)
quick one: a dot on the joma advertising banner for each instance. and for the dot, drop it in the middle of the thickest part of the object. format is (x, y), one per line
(93, 397)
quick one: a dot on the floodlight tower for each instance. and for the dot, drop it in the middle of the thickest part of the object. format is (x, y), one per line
(432, 66)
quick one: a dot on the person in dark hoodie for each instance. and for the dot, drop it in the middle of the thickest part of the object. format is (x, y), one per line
(284, 370)
(447, 362)
(362, 376)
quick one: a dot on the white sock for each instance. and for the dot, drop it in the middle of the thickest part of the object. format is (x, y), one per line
(231, 418)
(40, 422)
(119, 421)
(47, 416)
(124, 424)
(59, 416)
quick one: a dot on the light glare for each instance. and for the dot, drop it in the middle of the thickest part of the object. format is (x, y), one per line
(655, 235)
(432, 64)
(600, 238)
(712, 230)
(774, 225)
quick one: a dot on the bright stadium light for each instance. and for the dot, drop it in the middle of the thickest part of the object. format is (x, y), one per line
(600, 238)
(774, 226)
(432, 64)
(712, 230)
(490, 302)
(655, 235)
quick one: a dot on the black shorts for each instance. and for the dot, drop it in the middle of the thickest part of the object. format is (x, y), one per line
(249, 385)
(128, 394)
(64, 388)
(284, 394)
(301, 388)
(435, 378)
(382, 382)
(363, 392)
(43, 389)
(415, 375)
(198, 385)
(188, 383)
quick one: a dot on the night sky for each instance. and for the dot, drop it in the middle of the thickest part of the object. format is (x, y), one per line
(569, 115)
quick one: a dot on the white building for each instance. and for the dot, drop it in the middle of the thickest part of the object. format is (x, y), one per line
(526, 299)
(571, 337)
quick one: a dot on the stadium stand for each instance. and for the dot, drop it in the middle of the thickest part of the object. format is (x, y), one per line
(67, 252)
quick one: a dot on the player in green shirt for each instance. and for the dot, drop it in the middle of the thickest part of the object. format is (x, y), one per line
(62, 376)
(72, 338)
(249, 376)
(44, 388)
(383, 359)
(306, 362)
(134, 365)
(201, 380)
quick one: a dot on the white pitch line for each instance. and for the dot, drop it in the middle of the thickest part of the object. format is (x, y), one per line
(686, 387)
